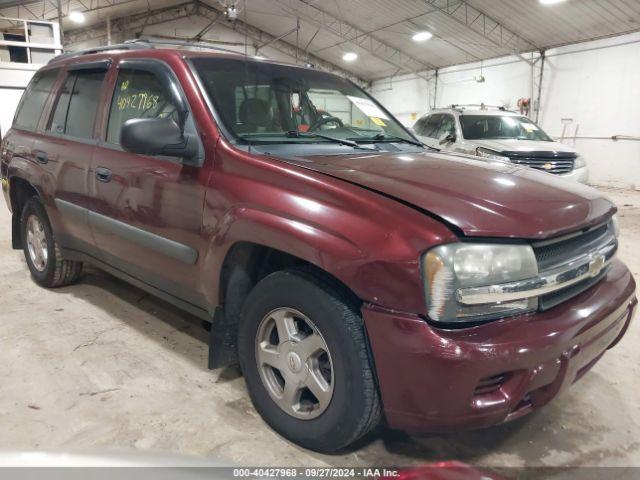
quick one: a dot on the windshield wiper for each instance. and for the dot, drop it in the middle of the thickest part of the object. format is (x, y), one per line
(350, 143)
(381, 137)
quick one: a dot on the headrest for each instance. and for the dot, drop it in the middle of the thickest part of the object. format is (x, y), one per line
(255, 111)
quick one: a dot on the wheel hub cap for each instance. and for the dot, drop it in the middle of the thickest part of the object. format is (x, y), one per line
(37, 243)
(294, 363)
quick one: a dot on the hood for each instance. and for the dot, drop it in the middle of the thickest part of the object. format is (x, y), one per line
(522, 146)
(479, 197)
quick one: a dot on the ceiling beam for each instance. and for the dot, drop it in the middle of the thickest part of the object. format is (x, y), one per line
(485, 26)
(207, 28)
(132, 24)
(320, 19)
(261, 37)
(48, 10)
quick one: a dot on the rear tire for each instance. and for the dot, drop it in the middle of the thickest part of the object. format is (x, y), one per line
(45, 260)
(314, 308)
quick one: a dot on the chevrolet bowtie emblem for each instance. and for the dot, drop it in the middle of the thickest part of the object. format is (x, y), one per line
(547, 166)
(596, 265)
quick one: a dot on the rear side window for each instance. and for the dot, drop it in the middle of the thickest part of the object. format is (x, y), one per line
(77, 104)
(138, 94)
(34, 98)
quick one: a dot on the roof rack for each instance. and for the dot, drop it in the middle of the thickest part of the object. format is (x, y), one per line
(106, 48)
(179, 43)
(141, 44)
(481, 106)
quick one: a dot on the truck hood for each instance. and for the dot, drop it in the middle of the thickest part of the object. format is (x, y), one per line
(480, 197)
(513, 145)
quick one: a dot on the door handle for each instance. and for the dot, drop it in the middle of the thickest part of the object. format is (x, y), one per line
(42, 158)
(103, 174)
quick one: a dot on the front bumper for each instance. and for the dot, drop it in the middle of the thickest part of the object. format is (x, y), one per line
(580, 175)
(436, 380)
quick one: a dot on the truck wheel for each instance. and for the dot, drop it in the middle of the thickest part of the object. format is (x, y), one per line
(306, 362)
(46, 263)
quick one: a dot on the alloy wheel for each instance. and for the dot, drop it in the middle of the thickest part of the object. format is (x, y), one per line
(294, 363)
(37, 243)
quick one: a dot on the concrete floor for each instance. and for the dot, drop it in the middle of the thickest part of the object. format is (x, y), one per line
(102, 366)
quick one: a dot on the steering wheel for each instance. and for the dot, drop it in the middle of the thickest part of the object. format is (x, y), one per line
(323, 120)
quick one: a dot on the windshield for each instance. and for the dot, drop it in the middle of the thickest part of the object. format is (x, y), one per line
(479, 127)
(266, 103)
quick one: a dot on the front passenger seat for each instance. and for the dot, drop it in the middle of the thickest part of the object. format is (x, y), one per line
(256, 115)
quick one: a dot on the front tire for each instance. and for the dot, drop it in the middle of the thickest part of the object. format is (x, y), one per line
(305, 359)
(47, 265)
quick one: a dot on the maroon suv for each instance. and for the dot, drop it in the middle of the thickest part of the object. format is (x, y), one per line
(351, 271)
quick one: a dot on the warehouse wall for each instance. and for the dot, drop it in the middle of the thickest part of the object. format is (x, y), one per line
(594, 83)
(14, 77)
(597, 85)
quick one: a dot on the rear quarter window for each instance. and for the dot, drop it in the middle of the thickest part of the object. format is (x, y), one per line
(33, 100)
(77, 104)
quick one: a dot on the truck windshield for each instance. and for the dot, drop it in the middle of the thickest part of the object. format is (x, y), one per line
(261, 102)
(479, 127)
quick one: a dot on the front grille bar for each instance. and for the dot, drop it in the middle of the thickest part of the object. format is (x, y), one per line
(557, 163)
(546, 166)
(578, 269)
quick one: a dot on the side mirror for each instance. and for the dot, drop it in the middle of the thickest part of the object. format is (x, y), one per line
(448, 138)
(157, 136)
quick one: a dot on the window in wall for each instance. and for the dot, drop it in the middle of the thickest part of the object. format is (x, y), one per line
(34, 98)
(77, 104)
(16, 54)
(138, 94)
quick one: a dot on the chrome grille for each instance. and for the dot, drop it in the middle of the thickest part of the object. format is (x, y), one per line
(553, 253)
(559, 251)
(552, 299)
(551, 162)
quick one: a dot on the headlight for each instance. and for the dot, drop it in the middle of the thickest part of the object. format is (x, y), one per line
(579, 162)
(448, 268)
(492, 154)
(615, 225)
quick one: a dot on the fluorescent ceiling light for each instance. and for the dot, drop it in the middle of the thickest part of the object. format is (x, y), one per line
(550, 2)
(77, 17)
(422, 36)
(350, 56)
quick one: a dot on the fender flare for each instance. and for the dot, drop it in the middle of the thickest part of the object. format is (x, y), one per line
(386, 279)
(312, 243)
